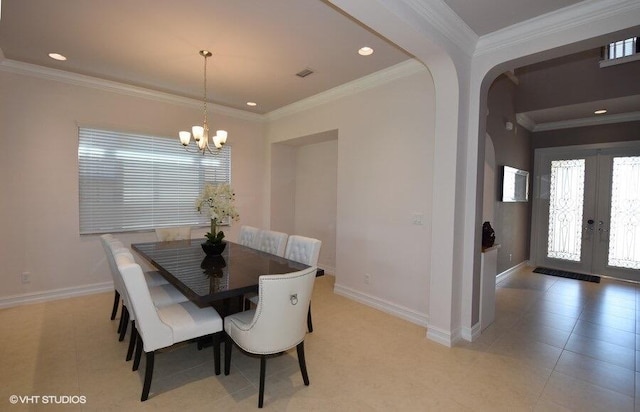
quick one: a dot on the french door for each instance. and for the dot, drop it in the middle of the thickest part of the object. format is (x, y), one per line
(586, 210)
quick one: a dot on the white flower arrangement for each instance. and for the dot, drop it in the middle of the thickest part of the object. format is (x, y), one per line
(217, 201)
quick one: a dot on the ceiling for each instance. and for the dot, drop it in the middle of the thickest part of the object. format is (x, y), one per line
(258, 46)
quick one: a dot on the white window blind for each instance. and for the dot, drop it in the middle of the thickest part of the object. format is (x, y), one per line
(132, 182)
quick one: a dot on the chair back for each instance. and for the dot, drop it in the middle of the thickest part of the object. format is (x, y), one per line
(155, 333)
(111, 247)
(165, 234)
(280, 319)
(106, 240)
(303, 249)
(122, 255)
(272, 242)
(248, 236)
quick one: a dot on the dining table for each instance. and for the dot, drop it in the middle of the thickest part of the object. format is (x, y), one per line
(211, 280)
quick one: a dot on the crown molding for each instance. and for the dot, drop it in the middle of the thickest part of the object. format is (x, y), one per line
(398, 71)
(525, 121)
(569, 124)
(440, 16)
(28, 69)
(583, 13)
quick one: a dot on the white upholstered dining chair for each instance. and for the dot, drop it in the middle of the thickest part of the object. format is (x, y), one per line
(161, 295)
(165, 326)
(304, 250)
(272, 242)
(153, 278)
(268, 241)
(248, 236)
(299, 249)
(276, 325)
(165, 234)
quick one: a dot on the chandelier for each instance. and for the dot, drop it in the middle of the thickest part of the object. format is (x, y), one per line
(201, 133)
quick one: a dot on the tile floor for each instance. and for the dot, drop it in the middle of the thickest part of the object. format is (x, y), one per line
(556, 345)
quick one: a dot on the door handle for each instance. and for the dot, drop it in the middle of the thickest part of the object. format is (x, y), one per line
(589, 226)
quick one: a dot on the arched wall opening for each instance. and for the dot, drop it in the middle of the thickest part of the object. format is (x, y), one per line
(487, 68)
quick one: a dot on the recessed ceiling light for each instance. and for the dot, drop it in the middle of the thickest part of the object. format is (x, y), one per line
(365, 51)
(600, 111)
(252, 104)
(57, 56)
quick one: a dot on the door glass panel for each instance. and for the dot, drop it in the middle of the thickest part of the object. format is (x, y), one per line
(565, 209)
(624, 241)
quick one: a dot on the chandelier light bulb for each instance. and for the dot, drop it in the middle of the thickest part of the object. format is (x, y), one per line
(216, 142)
(202, 144)
(222, 135)
(185, 137)
(198, 132)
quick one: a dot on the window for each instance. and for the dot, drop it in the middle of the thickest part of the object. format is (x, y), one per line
(132, 182)
(622, 48)
(623, 51)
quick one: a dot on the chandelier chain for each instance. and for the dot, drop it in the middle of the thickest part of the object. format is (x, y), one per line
(205, 91)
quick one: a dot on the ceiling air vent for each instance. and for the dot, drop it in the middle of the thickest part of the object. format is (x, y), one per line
(304, 73)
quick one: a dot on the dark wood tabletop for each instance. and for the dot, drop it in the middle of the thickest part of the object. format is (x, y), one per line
(209, 279)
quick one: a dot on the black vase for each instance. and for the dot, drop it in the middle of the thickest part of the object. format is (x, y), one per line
(488, 235)
(212, 249)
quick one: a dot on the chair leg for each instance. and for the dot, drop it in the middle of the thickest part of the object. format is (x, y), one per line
(216, 351)
(120, 326)
(148, 374)
(123, 331)
(263, 370)
(116, 300)
(136, 360)
(132, 340)
(303, 364)
(227, 354)
(309, 324)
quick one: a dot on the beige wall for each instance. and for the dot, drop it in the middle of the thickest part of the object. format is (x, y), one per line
(304, 191)
(316, 197)
(39, 178)
(283, 188)
(512, 148)
(384, 176)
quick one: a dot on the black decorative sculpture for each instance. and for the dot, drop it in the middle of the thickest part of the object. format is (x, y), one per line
(488, 235)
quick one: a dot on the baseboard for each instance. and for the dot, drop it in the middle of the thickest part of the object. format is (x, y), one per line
(504, 275)
(56, 294)
(383, 305)
(472, 333)
(443, 337)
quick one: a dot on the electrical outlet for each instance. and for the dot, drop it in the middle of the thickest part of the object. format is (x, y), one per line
(418, 219)
(25, 278)
(509, 257)
(367, 278)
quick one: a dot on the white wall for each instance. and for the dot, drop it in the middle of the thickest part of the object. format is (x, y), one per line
(384, 174)
(39, 180)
